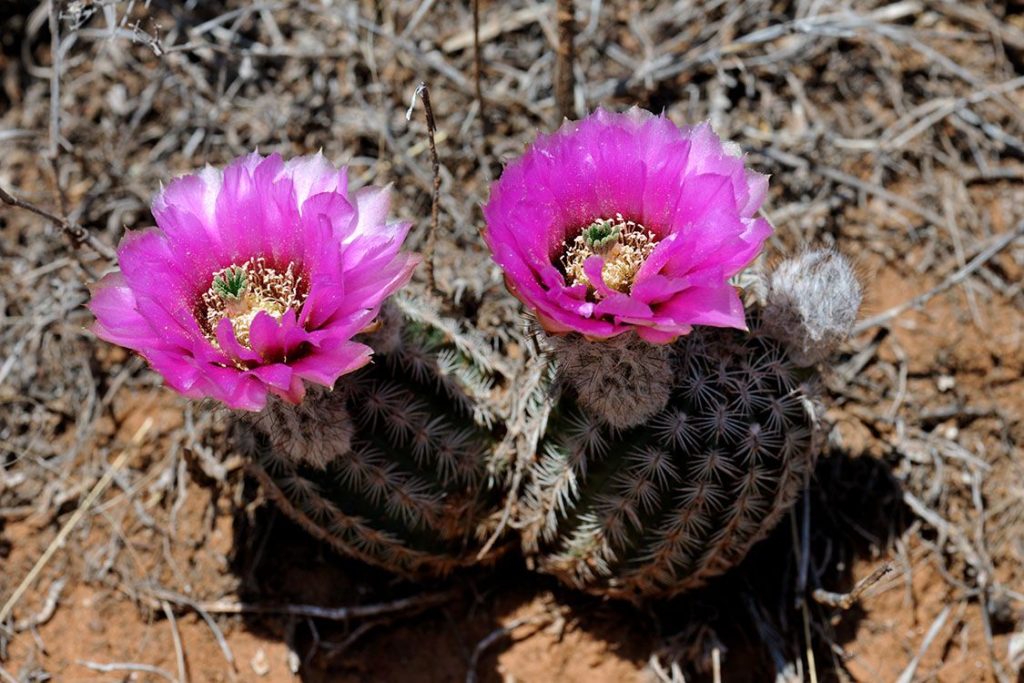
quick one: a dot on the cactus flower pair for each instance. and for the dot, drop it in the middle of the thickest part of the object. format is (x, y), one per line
(257, 277)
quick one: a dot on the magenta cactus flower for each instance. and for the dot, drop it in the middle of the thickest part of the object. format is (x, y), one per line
(255, 279)
(625, 221)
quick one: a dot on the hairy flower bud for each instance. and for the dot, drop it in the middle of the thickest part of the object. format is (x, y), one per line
(623, 380)
(316, 432)
(812, 303)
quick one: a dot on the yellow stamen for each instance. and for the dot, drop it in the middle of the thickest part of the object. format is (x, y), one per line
(623, 244)
(239, 293)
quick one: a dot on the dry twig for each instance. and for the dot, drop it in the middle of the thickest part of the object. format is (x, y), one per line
(565, 81)
(933, 631)
(111, 667)
(497, 634)
(228, 606)
(428, 253)
(848, 600)
(76, 232)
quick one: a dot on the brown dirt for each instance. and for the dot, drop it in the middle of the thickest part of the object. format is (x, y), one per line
(927, 406)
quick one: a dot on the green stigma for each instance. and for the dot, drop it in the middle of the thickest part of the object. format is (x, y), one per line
(601, 233)
(231, 283)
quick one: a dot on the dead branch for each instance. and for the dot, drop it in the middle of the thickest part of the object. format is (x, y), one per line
(565, 52)
(848, 600)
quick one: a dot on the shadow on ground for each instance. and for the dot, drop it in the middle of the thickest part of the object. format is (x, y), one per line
(853, 509)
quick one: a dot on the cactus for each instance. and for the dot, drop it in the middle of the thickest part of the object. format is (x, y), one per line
(658, 508)
(391, 467)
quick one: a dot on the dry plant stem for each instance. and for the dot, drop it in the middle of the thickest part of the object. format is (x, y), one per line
(55, 71)
(506, 513)
(129, 666)
(76, 232)
(496, 635)
(428, 256)
(159, 596)
(848, 600)
(565, 56)
(478, 70)
(908, 673)
(47, 611)
(179, 651)
(803, 560)
(414, 603)
(523, 436)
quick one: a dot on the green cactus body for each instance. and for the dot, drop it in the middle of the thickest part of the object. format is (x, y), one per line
(659, 508)
(391, 466)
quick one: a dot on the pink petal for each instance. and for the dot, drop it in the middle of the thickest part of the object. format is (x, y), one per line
(229, 342)
(685, 185)
(328, 363)
(117, 318)
(620, 305)
(716, 307)
(593, 268)
(654, 335)
(297, 213)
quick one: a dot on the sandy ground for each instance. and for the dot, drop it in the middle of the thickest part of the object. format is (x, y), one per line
(894, 132)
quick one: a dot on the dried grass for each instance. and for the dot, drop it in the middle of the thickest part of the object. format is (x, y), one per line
(894, 132)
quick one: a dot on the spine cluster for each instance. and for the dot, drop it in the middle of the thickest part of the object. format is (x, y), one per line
(390, 467)
(661, 507)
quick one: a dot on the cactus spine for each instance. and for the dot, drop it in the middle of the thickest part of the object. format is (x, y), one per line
(659, 508)
(629, 506)
(391, 467)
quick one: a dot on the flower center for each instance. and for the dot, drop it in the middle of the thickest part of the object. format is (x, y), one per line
(624, 245)
(239, 293)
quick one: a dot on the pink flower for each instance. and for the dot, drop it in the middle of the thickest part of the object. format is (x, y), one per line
(255, 279)
(624, 221)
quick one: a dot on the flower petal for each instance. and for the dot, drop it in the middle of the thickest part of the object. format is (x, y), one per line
(686, 186)
(296, 214)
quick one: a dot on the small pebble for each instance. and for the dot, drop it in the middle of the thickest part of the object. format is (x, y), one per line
(259, 663)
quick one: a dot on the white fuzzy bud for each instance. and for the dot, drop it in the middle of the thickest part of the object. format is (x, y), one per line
(812, 303)
(623, 380)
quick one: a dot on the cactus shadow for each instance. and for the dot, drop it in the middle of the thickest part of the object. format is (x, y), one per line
(853, 508)
(276, 563)
(750, 618)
